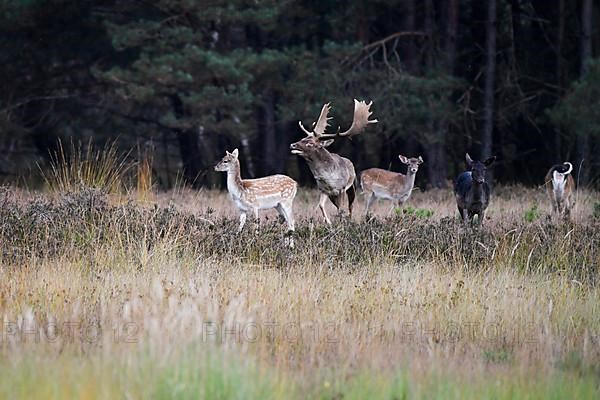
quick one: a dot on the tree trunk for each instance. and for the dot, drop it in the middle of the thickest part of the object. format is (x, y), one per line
(428, 27)
(435, 161)
(362, 23)
(434, 146)
(247, 154)
(583, 139)
(410, 53)
(411, 63)
(189, 149)
(268, 137)
(559, 67)
(165, 151)
(488, 89)
(451, 35)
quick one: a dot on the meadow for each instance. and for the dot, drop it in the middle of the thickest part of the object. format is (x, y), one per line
(153, 295)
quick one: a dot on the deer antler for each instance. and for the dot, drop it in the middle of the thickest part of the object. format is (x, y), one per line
(322, 123)
(360, 121)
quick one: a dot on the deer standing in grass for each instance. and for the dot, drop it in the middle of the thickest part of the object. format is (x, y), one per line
(383, 184)
(560, 186)
(472, 191)
(334, 174)
(251, 195)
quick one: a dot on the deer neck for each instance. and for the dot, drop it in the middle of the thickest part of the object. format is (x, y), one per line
(234, 181)
(319, 160)
(478, 190)
(407, 180)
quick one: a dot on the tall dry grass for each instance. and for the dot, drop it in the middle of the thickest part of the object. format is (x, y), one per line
(105, 297)
(86, 166)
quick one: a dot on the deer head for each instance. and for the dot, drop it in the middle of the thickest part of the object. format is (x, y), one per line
(478, 168)
(412, 163)
(229, 162)
(318, 139)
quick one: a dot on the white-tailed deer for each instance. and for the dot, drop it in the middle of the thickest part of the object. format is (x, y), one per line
(472, 191)
(560, 187)
(251, 195)
(394, 186)
(334, 174)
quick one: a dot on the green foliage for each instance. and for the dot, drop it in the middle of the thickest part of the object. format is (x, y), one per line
(172, 60)
(497, 356)
(532, 214)
(417, 212)
(577, 112)
(149, 71)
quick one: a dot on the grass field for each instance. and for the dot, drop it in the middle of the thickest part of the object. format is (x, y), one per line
(155, 296)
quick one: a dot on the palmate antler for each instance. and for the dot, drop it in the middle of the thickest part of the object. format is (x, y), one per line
(322, 123)
(360, 121)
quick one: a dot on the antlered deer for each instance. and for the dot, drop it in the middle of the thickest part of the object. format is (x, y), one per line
(251, 195)
(560, 187)
(472, 191)
(383, 184)
(334, 174)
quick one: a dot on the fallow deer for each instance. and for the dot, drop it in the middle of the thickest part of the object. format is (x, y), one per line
(334, 174)
(560, 187)
(472, 191)
(383, 184)
(251, 195)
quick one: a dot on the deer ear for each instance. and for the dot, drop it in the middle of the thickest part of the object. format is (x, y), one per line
(235, 153)
(325, 143)
(420, 160)
(403, 159)
(489, 161)
(468, 159)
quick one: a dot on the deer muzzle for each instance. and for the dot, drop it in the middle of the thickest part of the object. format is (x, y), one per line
(295, 150)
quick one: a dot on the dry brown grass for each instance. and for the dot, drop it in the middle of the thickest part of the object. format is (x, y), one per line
(421, 297)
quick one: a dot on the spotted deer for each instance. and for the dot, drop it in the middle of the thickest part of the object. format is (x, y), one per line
(560, 186)
(334, 174)
(251, 195)
(389, 185)
(472, 191)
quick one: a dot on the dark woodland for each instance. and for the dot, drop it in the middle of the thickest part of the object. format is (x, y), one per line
(178, 82)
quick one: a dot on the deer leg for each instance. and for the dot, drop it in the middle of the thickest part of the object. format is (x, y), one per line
(395, 204)
(257, 219)
(554, 207)
(242, 221)
(370, 198)
(322, 202)
(285, 209)
(336, 201)
(351, 193)
(481, 217)
(465, 215)
(567, 209)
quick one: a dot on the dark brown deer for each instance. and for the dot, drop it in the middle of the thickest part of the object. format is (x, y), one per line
(560, 186)
(472, 191)
(334, 174)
